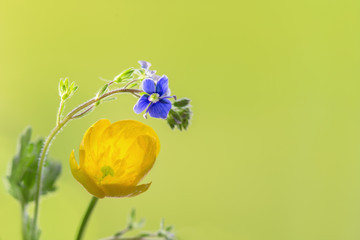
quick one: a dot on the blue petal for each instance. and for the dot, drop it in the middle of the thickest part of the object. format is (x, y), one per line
(162, 85)
(156, 77)
(160, 109)
(144, 64)
(142, 104)
(148, 86)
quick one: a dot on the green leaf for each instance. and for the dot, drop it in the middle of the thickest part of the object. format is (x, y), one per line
(75, 88)
(24, 167)
(183, 102)
(66, 83)
(171, 122)
(176, 116)
(51, 173)
(125, 75)
(102, 90)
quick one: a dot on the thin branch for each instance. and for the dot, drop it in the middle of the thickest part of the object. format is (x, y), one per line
(83, 113)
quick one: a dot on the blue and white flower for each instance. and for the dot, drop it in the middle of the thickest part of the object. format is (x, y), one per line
(149, 73)
(156, 98)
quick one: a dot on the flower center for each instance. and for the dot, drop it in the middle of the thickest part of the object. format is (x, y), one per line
(154, 97)
(107, 170)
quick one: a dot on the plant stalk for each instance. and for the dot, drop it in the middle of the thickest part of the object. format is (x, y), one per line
(87, 215)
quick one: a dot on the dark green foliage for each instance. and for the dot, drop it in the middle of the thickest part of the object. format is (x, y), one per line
(24, 167)
(180, 114)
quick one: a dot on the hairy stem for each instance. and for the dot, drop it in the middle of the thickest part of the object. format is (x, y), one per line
(53, 133)
(83, 112)
(61, 108)
(87, 215)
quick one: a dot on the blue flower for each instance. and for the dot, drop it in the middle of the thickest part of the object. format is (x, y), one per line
(145, 65)
(155, 101)
(149, 73)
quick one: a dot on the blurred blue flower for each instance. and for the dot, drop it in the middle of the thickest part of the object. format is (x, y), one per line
(149, 73)
(155, 101)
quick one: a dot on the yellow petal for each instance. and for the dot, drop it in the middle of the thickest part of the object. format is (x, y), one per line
(91, 141)
(120, 136)
(138, 161)
(84, 179)
(120, 191)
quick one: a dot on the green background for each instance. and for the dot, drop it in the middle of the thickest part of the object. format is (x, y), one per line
(273, 152)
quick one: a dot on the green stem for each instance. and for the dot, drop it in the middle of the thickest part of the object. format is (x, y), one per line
(70, 116)
(23, 220)
(86, 217)
(61, 108)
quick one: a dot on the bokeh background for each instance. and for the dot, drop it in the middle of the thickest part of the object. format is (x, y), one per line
(273, 152)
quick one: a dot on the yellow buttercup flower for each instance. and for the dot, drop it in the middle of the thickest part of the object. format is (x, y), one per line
(115, 157)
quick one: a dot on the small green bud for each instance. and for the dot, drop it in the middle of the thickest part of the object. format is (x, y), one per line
(102, 90)
(66, 83)
(125, 75)
(65, 96)
(66, 91)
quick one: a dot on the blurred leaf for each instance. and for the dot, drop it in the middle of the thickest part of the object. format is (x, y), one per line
(51, 173)
(24, 167)
(169, 228)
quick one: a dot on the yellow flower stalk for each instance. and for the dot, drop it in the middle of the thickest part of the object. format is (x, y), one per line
(114, 158)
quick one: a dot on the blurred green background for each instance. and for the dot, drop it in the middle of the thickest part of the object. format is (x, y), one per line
(273, 152)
